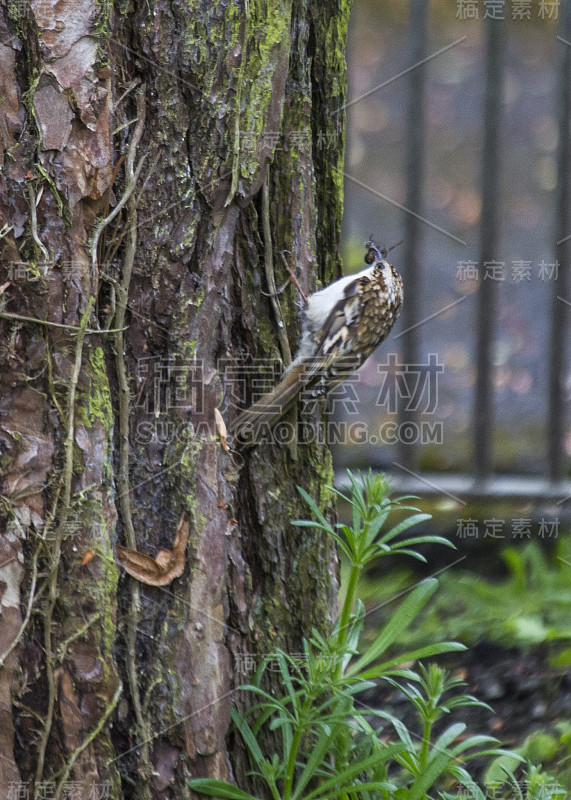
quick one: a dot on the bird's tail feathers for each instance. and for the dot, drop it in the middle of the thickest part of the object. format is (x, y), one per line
(257, 421)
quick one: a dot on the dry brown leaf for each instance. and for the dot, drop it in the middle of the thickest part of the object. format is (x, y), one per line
(159, 571)
(221, 428)
(163, 558)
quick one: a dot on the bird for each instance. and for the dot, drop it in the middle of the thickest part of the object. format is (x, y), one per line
(341, 326)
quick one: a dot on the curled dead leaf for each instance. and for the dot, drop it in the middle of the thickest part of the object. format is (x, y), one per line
(221, 428)
(159, 571)
(163, 558)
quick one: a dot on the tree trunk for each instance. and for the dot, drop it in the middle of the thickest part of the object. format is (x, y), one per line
(139, 143)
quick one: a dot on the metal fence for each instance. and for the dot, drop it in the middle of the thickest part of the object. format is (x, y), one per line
(478, 478)
(482, 481)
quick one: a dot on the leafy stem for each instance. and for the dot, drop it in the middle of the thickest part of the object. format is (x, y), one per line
(326, 746)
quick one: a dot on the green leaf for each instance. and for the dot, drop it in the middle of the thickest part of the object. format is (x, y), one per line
(423, 652)
(357, 790)
(466, 780)
(264, 712)
(345, 547)
(447, 737)
(278, 706)
(494, 752)
(377, 524)
(286, 678)
(428, 539)
(356, 624)
(319, 749)
(343, 779)
(412, 553)
(404, 525)
(399, 726)
(250, 740)
(429, 775)
(315, 508)
(465, 700)
(473, 741)
(357, 499)
(309, 523)
(398, 623)
(514, 783)
(216, 788)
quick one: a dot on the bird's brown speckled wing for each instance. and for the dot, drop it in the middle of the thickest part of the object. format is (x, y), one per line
(356, 326)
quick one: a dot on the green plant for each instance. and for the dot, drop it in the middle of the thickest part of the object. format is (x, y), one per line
(327, 746)
(530, 606)
(535, 784)
(542, 750)
(434, 758)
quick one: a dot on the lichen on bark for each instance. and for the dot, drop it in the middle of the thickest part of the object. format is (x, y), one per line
(236, 95)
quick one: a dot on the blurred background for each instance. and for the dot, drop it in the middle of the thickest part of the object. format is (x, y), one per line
(439, 176)
(458, 144)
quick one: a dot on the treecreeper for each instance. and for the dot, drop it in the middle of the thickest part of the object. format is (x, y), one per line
(342, 325)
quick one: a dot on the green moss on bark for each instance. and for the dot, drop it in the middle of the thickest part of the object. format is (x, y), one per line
(99, 396)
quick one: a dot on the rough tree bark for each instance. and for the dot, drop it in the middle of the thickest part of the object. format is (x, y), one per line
(114, 331)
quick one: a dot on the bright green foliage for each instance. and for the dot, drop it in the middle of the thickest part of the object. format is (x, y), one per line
(548, 755)
(423, 765)
(536, 784)
(371, 504)
(324, 742)
(532, 605)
